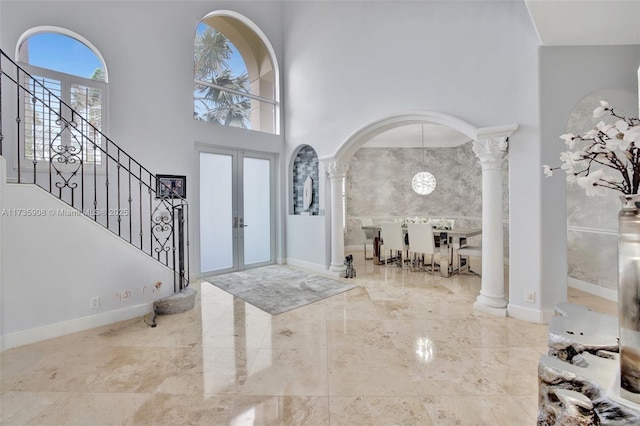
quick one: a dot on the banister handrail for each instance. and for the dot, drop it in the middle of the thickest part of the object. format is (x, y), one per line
(71, 139)
(62, 102)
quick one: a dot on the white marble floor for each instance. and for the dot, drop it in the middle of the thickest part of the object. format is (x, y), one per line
(405, 348)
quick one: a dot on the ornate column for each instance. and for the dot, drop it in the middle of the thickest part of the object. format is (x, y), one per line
(492, 154)
(337, 172)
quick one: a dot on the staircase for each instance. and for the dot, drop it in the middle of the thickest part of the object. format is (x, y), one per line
(64, 152)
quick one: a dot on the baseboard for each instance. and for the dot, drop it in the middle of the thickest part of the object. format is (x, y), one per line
(529, 315)
(596, 290)
(322, 269)
(73, 326)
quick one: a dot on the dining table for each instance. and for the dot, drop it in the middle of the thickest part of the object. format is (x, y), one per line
(448, 240)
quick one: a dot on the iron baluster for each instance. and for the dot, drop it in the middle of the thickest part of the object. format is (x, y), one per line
(140, 205)
(66, 139)
(106, 182)
(118, 199)
(130, 200)
(1, 134)
(18, 120)
(34, 135)
(48, 143)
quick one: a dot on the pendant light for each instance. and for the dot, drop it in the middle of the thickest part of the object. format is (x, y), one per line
(423, 182)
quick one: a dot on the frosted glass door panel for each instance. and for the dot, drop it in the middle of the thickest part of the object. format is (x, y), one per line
(257, 210)
(216, 212)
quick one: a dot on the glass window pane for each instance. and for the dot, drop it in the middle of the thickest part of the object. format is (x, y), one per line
(42, 129)
(257, 210)
(216, 212)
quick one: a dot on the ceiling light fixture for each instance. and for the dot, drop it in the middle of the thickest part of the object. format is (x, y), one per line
(423, 182)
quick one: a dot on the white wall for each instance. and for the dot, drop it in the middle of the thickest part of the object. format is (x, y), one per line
(349, 64)
(53, 265)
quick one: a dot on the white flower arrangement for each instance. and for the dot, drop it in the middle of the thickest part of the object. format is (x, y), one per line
(609, 147)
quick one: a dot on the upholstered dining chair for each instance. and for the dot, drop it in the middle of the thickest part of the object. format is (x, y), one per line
(422, 244)
(467, 252)
(369, 235)
(393, 240)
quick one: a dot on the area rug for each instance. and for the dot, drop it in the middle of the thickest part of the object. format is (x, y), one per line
(277, 288)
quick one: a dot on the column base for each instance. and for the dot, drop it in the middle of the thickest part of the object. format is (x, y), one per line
(491, 310)
(338, 270)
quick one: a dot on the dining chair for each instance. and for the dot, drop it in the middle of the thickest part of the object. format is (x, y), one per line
(369, 235)
(422, 242)
(393, 240)
(468, 251)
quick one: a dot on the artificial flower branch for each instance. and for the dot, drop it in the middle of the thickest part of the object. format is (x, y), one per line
(615, 146)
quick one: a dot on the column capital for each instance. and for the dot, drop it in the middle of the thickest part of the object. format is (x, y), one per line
(335, 169)
(491, 152)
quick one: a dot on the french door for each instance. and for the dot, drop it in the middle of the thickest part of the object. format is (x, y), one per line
(237, 220)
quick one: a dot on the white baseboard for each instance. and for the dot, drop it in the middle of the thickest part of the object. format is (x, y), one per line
(38, 334)
(528, 314)
(596, 290)
(309, 266)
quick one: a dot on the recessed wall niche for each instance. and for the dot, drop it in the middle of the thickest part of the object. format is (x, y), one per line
(305, 178)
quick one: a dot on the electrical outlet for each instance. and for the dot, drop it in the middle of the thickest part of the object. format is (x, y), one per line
(94, 302)
(530, 296)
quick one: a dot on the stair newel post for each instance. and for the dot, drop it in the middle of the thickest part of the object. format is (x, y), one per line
(180, 225)
(186, 246)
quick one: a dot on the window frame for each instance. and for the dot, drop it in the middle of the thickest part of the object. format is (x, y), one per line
(67, 82)
(267, 102)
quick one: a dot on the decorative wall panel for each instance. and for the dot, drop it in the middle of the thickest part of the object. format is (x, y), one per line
(305, 165)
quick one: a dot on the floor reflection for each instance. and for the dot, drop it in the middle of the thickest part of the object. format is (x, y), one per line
(402, 348)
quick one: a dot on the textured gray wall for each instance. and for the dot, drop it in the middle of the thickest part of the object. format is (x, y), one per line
(379, 187)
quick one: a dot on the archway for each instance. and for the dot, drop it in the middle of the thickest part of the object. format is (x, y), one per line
(490, 144)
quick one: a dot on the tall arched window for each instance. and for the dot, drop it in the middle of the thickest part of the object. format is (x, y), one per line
(235, 74)
(65, 68)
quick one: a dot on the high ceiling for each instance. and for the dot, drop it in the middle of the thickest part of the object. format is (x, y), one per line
(557, 23)
(586, 22)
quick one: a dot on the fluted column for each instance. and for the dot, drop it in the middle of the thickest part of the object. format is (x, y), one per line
(337, 172)
(492, 154)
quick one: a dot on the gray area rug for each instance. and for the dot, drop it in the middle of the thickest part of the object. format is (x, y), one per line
(278, 288)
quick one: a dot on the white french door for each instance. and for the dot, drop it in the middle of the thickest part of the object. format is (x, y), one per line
(237, 220)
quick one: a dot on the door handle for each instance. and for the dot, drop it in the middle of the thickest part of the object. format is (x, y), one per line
(241, 223)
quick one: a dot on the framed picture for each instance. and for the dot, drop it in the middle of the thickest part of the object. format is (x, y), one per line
(172, 186)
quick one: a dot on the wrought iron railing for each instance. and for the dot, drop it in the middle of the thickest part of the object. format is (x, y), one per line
(58, 149)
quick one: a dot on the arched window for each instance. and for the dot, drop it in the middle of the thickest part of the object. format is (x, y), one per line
(66, 70)
(235, 74)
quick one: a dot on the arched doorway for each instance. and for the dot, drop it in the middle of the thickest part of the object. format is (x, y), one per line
(490, 144)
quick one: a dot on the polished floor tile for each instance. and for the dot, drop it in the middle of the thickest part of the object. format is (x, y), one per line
(402, 348)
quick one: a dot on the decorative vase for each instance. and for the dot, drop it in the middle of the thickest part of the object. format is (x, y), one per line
(629, 296)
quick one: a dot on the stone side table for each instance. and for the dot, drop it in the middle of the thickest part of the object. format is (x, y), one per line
(578, 382)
